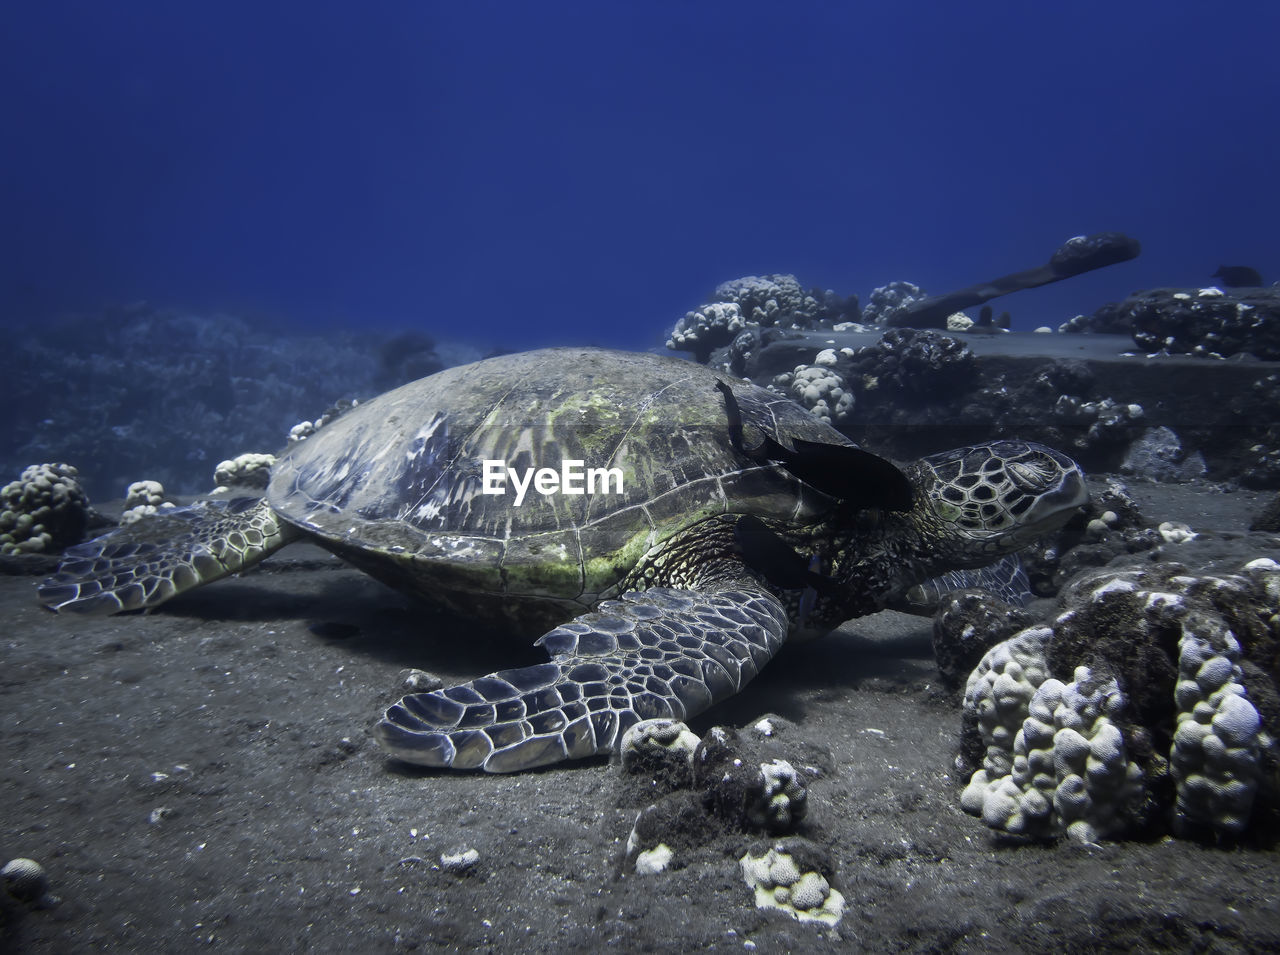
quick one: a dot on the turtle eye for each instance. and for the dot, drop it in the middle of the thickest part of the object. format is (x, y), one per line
(1034, 476)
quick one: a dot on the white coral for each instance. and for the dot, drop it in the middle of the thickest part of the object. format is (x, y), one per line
(770, 299)
(247, 470)
(713, 325)
(999, 691)
(778, 883)
(37, 509)
(1056, 757)
(779, 803)
(1218, 738)
(821, 389)
(142, 499)
(658, 741)
(1068, 771)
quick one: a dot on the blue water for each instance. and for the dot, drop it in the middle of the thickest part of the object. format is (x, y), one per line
(520, 174)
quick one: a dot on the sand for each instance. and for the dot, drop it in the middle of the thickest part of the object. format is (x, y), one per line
(203, 776)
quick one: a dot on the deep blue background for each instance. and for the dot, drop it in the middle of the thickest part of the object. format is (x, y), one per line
(524, 173)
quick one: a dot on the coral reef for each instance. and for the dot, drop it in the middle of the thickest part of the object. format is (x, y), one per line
(819, 388)
(968, 624)
(248, 471)
(662, 750)
(168, 392)
(703, 329)
(772, 300)
(1150, 705)
(1103, 423)
(45, 510)
(1056, 760)
(731, 781)
(908, 366)
(142, 499)
(743, 311)
(888, 299)
(1206, 322)
(789, 876)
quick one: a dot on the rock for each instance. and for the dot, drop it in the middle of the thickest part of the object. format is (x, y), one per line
(26, 881)
(968, 624)
(1206, 322)
(1269, 519)
(1157, 455)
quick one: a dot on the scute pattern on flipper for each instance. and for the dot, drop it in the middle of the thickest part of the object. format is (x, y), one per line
(658, 653)
(147, 562)
(1004, 579)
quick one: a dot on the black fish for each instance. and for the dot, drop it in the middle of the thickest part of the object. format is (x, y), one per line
(769, 555)
(848, 473)
(1238, 276)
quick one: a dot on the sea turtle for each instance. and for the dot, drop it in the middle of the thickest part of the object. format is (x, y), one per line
(682, 524)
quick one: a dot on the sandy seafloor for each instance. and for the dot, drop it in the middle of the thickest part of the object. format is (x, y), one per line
(203, 777)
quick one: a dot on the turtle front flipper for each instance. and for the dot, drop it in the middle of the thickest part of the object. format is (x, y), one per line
(657, 653)
(145, 563)
(1004, 579)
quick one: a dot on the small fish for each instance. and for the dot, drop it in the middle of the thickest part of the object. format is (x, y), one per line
(767, 553)
(809, 597)
(1238, 276)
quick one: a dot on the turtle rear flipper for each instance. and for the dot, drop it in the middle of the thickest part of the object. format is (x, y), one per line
(658, 653)
(145, 563)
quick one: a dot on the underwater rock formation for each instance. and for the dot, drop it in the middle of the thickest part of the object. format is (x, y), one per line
(742, 309)
(887, 300)
(908, 365)
(168, 393)
(775, 300)
(703, 329)
(1205, 322)
(968, 624)
(1238, 276)
(1269, 519)
(1157, 455)
(729, 781)
(1149, 706)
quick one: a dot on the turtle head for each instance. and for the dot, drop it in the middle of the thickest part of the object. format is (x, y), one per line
(978, 503)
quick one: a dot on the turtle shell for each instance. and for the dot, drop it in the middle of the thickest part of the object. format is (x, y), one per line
(398, 484)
